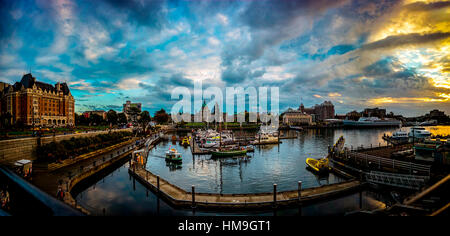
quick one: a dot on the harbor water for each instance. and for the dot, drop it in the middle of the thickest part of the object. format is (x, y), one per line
(117, 193)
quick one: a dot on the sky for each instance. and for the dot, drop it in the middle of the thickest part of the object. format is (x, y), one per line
(357, 54)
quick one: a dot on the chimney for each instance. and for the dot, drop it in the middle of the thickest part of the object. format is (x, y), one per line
(58, 87)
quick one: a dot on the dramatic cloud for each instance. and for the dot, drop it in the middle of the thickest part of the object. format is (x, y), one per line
(388, 53)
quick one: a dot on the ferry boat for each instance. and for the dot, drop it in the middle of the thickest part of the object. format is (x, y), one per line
(429, 123)
(419, 132)
(296, 128)
(371, 122)
(173, 155)
(400, 134)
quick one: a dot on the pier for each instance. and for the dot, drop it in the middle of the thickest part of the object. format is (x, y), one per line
(184, 199)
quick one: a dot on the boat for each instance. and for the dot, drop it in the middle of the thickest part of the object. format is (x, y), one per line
(419, 132)
(210, 143)
(173, 155)
(266, 135)
(429, 123)
(228, 152)
(400, 134)
(371, 122)
(185, 141)
(296, 128)
(318, 165)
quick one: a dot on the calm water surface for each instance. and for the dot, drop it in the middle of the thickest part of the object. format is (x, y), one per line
(116, 193)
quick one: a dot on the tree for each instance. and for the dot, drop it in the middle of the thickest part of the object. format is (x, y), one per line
(144, 119)
(96, 119)
(122, 118)
(112, 117)
(5, 120)
(161, 116)
(134, 112)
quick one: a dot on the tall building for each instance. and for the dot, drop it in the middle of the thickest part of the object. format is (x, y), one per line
(32, 102)
(127, 109)
(101, 113)
(321, 112)
(374, 112)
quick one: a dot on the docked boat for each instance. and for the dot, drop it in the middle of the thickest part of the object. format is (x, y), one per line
(173, 155)
(400, 135)
(266, 139)
(371, 122)
(429, 123)
(419, 132)
(430, 144)
(318, 165)
(298, 128)
(266, 135)
(229, 152)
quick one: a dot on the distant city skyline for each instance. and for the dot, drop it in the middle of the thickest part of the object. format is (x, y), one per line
(356, 54)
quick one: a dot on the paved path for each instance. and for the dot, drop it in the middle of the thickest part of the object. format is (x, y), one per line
(180, 197)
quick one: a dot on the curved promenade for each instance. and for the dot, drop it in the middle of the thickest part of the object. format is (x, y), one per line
(181, 198)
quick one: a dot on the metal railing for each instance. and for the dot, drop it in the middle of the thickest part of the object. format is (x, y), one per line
(380, 162)
(397, 180)
(52, 205)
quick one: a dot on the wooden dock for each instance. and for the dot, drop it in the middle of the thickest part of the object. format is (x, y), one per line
(195, 149)
(183, 199)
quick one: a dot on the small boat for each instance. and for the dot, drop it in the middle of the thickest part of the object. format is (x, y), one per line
(265, 139)
(296, 128)
(173, 155)
(229, 152)
(185, 142)
(318, 165)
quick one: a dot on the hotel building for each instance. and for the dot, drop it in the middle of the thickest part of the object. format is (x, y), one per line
(35, 103)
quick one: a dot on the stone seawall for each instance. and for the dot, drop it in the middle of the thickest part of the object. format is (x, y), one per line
(25, 148)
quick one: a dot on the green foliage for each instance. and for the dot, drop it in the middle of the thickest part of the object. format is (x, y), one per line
(76, 146)
(161, 116)
(122, 118)
(112, 117)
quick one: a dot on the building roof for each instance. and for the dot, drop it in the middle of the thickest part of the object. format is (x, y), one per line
(28, 81)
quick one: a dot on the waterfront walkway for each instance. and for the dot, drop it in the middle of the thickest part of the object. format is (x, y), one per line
(181, 198)
(67, 177)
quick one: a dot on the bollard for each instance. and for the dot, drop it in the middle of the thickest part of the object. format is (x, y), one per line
(274, 195)
(193, 196)
(157, 182)
(299, 189)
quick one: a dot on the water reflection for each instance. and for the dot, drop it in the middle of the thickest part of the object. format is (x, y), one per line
(117, 193)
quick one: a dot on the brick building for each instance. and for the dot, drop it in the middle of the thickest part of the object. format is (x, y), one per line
(35, 103)
(296, 117)
(320, 112)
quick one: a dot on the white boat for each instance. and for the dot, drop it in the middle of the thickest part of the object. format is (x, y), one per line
(371, 122)
(296, 128)
(419, 132)
(400, 134)
(265, 138)
(429, 122)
